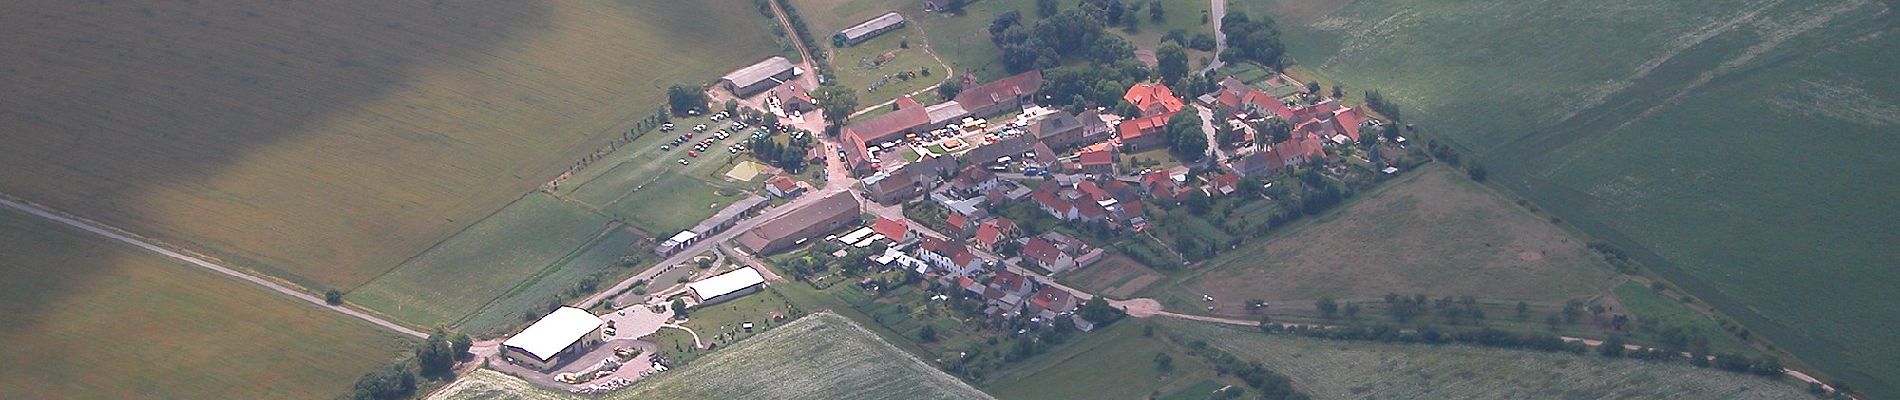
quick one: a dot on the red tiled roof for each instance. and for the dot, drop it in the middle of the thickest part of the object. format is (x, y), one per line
(1041, 251)
(1135, 128)
(989, 94)
(1009, 280)
(889, 126)
(1350, 120)
(1149, 97)
(892, 228)
(782, 183)
(790, 91)
(958, 221)
(907, 102)
(1049, 298)
(1097, 157)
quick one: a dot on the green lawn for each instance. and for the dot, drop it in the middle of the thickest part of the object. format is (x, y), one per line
(671, 204)
(647, 187)
(599, 259)
(465, 272)
(88, 318)
(1670, 313)
(858, 67)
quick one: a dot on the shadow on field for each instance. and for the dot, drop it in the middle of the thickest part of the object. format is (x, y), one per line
(107, 101)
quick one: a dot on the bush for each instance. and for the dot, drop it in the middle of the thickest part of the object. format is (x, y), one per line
(333, 297)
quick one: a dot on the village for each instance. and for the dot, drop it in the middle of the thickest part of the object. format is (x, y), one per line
(973, 205)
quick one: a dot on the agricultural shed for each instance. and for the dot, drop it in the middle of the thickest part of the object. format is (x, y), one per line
(566, 331)
(868, 29)
(727, 286)
(765, 74)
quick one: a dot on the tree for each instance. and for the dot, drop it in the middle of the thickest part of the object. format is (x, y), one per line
(333, 297)
(1612, 347)
(679, 309)
(1327, 307)
(1351, 310)
(1185, 138)
(1266, 323)
(1251, 40)
(435, 356)
(1339, 90)
(460, 343)
(1172, 63)
(1164, 362)
(682, 98)
(732, 106)
(1099, 312)
(955, 6)
(837, 103)
(1277, 130)
(1045, 8)
(1155, 14)
(1312, 87)
(1476, 172)
(391, 381)
(927, 334)
(1202, 42)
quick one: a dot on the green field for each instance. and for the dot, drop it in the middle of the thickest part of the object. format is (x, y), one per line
(1432, 232)
(1671, 314)
(858, 67)
(1115, 276)
(1365, 370)
(465, 272)
(819, 356)
(1736, 147)
(88, 318)
(1116, 360)
(325, 143)
(646, 186)
(601, 257)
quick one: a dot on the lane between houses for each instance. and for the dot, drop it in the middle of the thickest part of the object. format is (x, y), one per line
(126, 237)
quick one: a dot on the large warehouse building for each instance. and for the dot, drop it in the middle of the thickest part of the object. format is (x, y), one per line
(563, 334)
(727, 286)
(758, 77)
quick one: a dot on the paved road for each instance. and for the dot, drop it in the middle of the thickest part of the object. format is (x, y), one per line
(1217, 9)
(152, 246)
(1215, 155)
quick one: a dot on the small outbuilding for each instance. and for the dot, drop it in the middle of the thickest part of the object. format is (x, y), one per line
(868, 29)
(567, 332)
(727, 286)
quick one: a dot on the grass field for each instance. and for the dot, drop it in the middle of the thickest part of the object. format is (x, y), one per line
(646, 186)
(819, 356)
(1669, 313)
(1117, 360)
(858, 66)
(600, 257)
(87, 318)
(465, 272)
(1694, 136)
(1366, 370)
(1434, 233)
(326, 153)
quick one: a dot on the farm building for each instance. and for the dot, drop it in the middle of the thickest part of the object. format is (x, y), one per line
(868, 29)
(565, 333)
(793, 98)
(676, 243)
(1001, 95)
(726, 286)
(825, 215)
(757, 77)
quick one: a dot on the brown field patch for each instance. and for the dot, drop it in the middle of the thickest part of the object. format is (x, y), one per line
(1115, 276)
(325, 142)
(1433, 233)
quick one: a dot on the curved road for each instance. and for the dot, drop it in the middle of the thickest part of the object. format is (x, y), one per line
(132, 239)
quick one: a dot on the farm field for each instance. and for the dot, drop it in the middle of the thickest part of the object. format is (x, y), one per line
(460, 275)
(1114, 360)
(1433, 232)
(1695, 137)
(856, 364)
(1343, 369)
(375, 133)
(600, 259)
(1115, 276)
(85, 317)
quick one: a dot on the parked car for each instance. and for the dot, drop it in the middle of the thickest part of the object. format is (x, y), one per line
(683, 161)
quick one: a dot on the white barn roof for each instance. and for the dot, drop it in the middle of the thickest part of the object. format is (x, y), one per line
(727, 283)
(755, 73)
(555, 332)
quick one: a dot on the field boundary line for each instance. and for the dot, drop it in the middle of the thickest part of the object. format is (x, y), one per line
(153, 246)
(445, 239)
(599, 236)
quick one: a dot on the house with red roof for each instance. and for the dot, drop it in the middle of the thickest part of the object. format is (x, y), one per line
(1137, 134)
(1222, 185)
(1302, 148)
(1153, 99)
(793, 98)
(993, 232)
(1098, 162)
(973, 180)
(1051, 301)
(1350, 120)
(1046, 255)
(896, 229)
(1009, 282)
(783, 187)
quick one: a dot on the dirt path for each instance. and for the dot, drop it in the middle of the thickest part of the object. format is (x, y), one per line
(123, 236)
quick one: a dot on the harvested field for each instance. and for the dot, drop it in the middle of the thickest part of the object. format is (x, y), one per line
(1433, 233)
(1341, 369)
(819, 356)
(1115, 276)
(326, 142)
(465, 272)
(87, 318)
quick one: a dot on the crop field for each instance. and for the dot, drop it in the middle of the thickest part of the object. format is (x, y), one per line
(465, 272)
(602, 257)
(1115, 276)
(1116, 360)
(1342, 369)
(819, 356)
(1739, 148)
(326, 153)
(88, 318)
(1434, 233)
